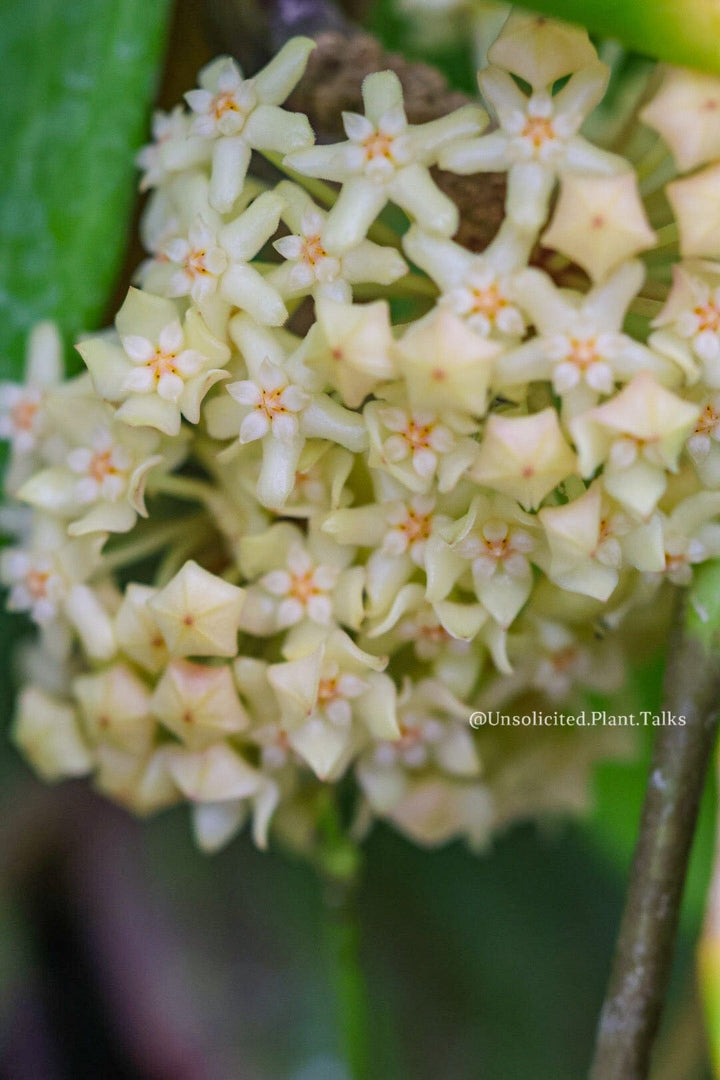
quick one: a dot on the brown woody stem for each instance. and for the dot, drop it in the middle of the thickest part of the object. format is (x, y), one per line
(643, 956)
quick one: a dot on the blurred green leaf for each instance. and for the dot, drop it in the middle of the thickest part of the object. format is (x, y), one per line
(76, 83)
(684, 32)
(440, 39)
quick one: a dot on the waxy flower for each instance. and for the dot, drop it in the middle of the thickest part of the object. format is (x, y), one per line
(639, 434)
(242, 115)
(524, 457)
(591, 539)
(417, 447)
(352, 349)
(386, 160)
(223, 787)
(198, 613)
(115, 709)
(685, 111)
(298, 580)
(175, 147)
(496, 540)
(309, 269)
(47, 731)
(331, 700)
(22, 414)
(694, 203)
(445, 365)
(579, 345)
(537, 140)
(541, 50)
(477, 288)
(599, 221)
(198, 703)
(689, 323)
(213, 261)
(47, 579)
(280, 405)
(100, 485)
(691, 535)
(161, 370)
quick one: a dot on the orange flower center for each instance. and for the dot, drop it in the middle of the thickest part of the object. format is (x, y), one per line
(706, 421)
(378, 145)
(23, 415)
(488, 301)
(709, 317)
(538, 130)
(416, 526)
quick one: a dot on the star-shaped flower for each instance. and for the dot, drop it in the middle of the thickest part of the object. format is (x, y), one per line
(309, 269)
(161, 369)
(685, 112)
(537, 140)
(386, 160)
(639, 434)
(599, 221)
(198, 613)
(241, 115)
(524, 457)
(579, 345)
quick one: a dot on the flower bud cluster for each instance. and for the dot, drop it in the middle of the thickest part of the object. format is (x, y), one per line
(267, 551)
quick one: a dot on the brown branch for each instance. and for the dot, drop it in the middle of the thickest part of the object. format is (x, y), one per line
(643, 955)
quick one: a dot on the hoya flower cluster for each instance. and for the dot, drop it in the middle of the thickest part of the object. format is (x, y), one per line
(284, 532)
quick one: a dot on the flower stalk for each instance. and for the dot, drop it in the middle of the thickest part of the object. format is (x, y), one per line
(641, 967)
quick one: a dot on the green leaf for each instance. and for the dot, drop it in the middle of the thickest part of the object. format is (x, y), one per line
(684, 32)
(76, 80)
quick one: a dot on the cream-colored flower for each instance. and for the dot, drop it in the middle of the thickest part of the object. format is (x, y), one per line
(541, 50)
(331, 700)
(685, 112)
(198, 613)
(47, 579)
(445, 365)
(137, 630)
(298, 580)
(241, 115)
(100, 485)
(23, 422)
(477, 288)
(386, 159)
(689, 323)
(281, 405)
(524, 457)
(47, 731)
(309, 269)
(591, 540)
(198, 703)
(419, 448)
(161, 369)
(115, 708)
(537, 140)
(695, 205)
(639, 434)
(599, 221)
(352, 349)
(579, 345)
(175, 147)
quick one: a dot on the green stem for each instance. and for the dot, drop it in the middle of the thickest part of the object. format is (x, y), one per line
(181, 487)
(180, 552)
(342, 936)
(153, 539)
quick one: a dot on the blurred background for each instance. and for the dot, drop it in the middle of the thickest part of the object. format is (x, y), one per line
(124, 953)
